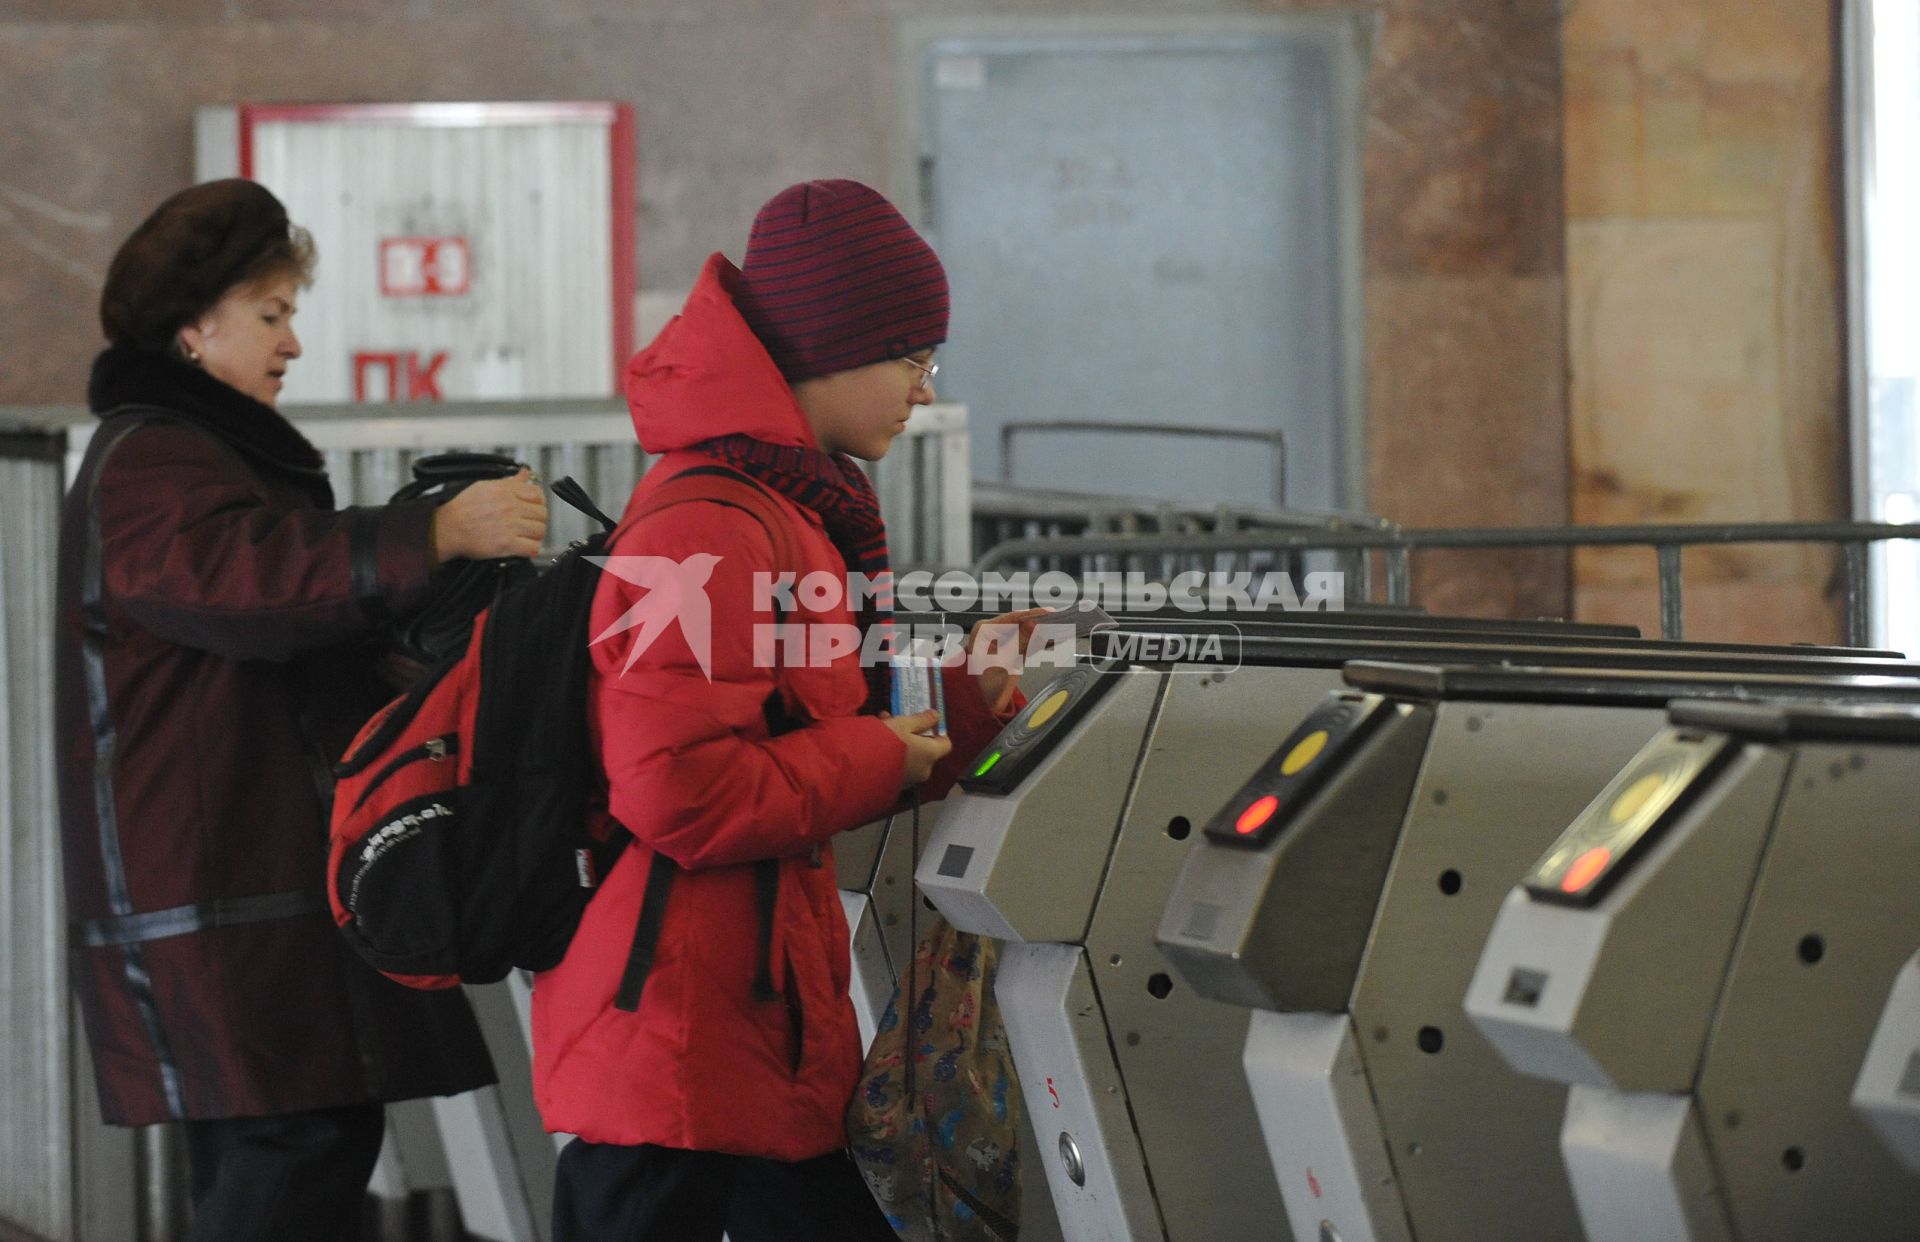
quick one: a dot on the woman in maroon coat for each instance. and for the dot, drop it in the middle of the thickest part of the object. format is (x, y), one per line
(212, 657)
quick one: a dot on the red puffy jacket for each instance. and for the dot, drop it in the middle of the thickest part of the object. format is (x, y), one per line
(694, 773)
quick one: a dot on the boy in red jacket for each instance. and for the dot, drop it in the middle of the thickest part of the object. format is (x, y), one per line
(717, 1102)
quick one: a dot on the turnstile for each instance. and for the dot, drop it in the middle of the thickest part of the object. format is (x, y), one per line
(875, 870)
(1386, 1114)
(1703, 954)
(1887, 1092)
(1066, 840)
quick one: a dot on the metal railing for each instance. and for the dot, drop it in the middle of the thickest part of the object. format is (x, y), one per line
(1398, 547)
(1003, 512)
(370, 449)
(1273, 438)
(68, 1176)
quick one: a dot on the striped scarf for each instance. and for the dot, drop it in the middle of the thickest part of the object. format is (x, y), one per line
(834, 487)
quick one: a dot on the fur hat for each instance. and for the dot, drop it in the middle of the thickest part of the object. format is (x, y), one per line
(186, 255)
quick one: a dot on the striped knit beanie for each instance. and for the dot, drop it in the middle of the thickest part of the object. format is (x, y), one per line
(835, 278)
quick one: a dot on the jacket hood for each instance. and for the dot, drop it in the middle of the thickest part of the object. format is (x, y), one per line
(708, 375)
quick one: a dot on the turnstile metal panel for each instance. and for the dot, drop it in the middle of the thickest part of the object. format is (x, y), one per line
(1283, 926)
(498, 1150)
(1640, 1169)
(1620, 993)
(412, 1158)
(1307, 1080)
(1832, 920)
(1888, 1090)
(872, 982)
(1178, 1051)
(857, 852)
(1027, 865)
(877, 864)
(1086, 1140)
(1500, 782)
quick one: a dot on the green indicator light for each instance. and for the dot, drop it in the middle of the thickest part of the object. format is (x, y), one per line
(987, 767)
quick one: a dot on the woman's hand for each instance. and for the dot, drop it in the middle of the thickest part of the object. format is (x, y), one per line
(1007, 658)
(923, 749)
(492, 518)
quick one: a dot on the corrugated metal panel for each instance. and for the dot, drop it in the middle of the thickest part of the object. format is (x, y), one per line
(924, 484)
(531, 202)
(66, 1173)
(36, 1126)
(68, 1177)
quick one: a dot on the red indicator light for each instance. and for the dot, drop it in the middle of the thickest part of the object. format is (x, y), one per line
(1585, 869)
(1257, 814)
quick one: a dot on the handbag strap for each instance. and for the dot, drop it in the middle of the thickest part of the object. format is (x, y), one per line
(454, 470)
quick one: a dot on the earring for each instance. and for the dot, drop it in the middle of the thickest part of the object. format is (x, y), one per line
(193, 357)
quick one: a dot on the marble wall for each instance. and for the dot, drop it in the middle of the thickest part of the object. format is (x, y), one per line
(1466, 292)
(1464, 232)
(1706, 300)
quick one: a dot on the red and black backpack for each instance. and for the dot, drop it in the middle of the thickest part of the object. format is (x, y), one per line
(469, 822)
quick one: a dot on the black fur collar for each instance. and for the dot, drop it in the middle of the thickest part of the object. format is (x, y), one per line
(125, 376)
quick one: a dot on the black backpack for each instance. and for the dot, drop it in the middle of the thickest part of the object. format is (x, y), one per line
(462, 589)
(469, 825)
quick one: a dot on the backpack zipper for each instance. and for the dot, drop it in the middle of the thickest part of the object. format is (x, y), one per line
(436, 749)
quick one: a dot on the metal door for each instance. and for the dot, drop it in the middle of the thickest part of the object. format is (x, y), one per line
(1152, 229)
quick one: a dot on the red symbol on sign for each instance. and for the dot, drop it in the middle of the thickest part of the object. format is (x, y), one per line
(1313, 1183)
(1053, 1093)
(407, 378)
(424, 267)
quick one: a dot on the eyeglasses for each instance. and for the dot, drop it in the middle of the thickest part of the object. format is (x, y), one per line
(927, 371)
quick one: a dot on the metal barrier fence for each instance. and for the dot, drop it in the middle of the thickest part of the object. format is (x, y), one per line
(36, 1053)
(67, 1176)
(63, 1175)
(1162, 556)
(1274, 439)
(1003, 512)
(370, 451)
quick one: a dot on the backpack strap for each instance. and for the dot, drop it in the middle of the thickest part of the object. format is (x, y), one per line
(646, 935)
(766, 872)
(726, 486)
(653, 917)
(570, 491)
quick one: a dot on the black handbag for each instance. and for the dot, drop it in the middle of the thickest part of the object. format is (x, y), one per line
(461, 589)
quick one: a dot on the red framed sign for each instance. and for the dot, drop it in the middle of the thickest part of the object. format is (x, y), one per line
(466, 250)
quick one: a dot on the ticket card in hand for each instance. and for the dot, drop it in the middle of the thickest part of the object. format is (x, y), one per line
(917, 688)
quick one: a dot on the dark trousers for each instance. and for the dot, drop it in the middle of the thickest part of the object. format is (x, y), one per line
(295, 1177)
(606, 1193)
